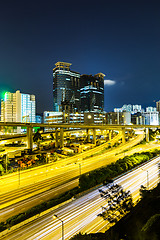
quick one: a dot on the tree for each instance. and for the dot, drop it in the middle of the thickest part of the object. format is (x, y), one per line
(5, 162)
(54, 157)
(119, 203)
(1, 169)
(37, 138)
(143, 191)
(51, 135)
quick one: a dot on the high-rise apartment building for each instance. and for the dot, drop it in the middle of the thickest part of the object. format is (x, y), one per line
(92, 92)
(66, 85)
(129, 108)
(18, 107)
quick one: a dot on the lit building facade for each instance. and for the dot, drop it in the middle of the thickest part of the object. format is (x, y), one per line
(73, 93)
(123, 118)
(151, 109)
(92, 92)
(66, 85)
(158, 106)
(86, 117)
(151, 118)
(130, 108)
(18, 107)
(39, 119)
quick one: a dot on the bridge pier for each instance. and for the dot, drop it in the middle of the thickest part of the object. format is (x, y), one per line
(88, 136)
(94, 136)
(110, 135)
(56, 137)
(147, 134)
(30, 138)
(123, 136)
(61, 138)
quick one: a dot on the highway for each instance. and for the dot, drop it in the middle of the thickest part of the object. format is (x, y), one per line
(38, 174)
(81, 214)
(23, 198)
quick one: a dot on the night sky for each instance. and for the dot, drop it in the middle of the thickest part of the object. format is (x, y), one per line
(118, 38)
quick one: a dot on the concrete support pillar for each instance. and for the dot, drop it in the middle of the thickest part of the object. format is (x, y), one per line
(56, 137)
(18, 130)
(61, 138)
(30, 138)
(117, 117)
(87, 132)
(110, 135)
(94, 136)
(123, 135)
(137, 121)
(147, 134)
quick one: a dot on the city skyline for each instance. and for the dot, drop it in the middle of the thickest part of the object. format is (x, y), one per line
(120, 39)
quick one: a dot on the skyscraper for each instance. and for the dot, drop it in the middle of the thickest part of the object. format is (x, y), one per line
(66, 85)
(92, 92)
(18, 107)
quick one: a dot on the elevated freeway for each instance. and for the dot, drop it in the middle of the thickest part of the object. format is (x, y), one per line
(59, 130)
(46, 182)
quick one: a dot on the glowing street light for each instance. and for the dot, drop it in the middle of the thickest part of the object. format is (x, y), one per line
(147, 178)
(55, 216)
(18, 171)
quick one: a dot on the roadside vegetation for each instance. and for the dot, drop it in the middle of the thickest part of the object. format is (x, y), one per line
(105, 174)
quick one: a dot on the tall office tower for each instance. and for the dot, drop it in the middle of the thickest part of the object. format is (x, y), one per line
(92, 92)
(18, 107)
(66, 85)
(158, 106)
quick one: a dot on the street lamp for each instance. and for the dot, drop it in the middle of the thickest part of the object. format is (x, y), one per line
(47, 156)
(147, 177)
(6, 162)
(79, 169)
(55, 216)
(18, 171)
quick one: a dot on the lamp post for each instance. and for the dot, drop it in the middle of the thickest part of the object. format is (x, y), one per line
(55, 216)
(79, 169)
(6, 162)
(147, 178)
(47, 157)
(19, 172)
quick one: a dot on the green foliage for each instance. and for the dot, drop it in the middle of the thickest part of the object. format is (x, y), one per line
(143, 191)
(1, 168)
(92, 236)
(112, 170)
(149, 224)
(37, 136)
(80, 236)
(51, 135)
(119, 203)
(152, 134)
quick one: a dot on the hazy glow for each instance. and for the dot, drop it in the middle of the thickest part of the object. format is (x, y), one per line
(109, 82)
